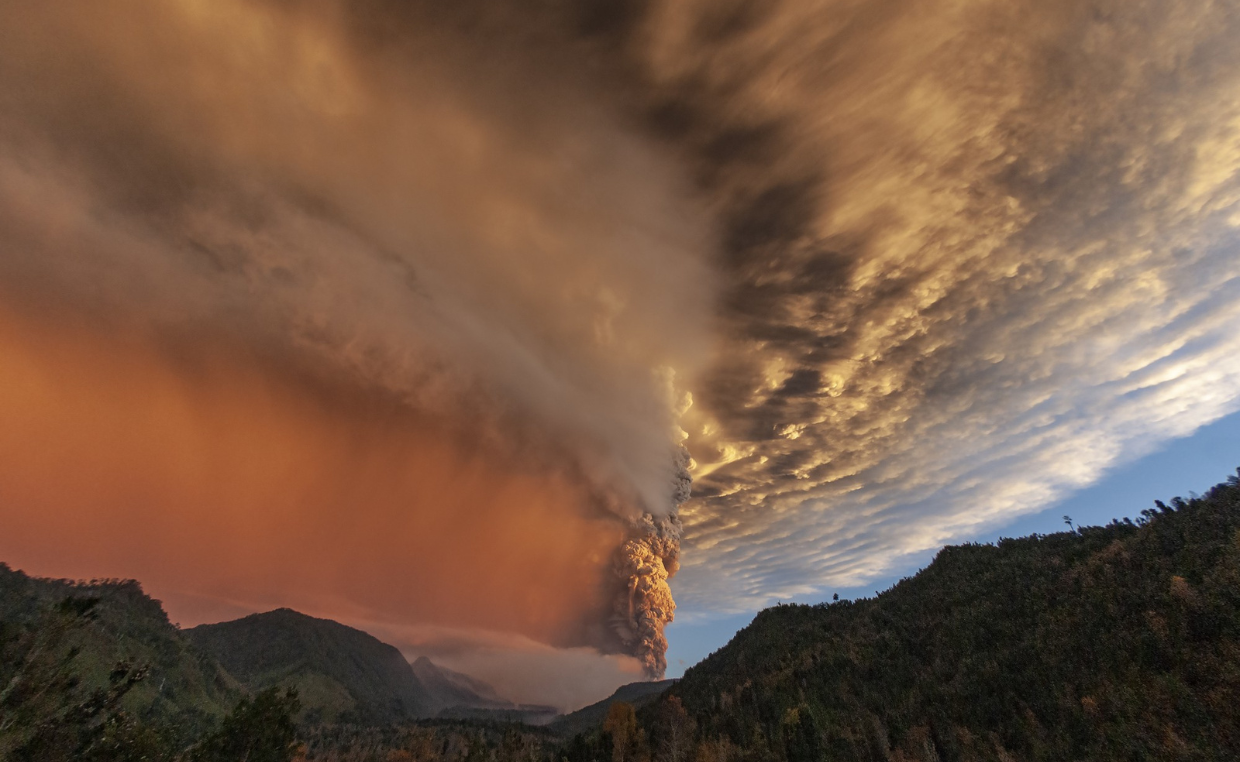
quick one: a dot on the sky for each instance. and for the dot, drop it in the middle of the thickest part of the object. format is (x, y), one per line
(513, 333)
(1180, 468)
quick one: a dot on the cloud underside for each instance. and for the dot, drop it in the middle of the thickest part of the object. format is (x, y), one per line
(427, 287)
(977, 253)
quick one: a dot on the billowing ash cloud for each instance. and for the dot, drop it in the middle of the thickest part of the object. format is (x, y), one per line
(364, 273)
(430, 284)
(646, 607)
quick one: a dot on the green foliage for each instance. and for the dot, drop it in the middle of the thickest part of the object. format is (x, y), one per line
(106, 622)
(58, 702)
(628, 739)
(591, 717)
(802, 737)
(257, 730)
(1104, 643)
(435, 740)
(47, 713)
(672, 731)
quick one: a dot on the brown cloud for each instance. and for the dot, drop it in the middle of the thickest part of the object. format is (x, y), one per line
(214, 478)
(338, 308)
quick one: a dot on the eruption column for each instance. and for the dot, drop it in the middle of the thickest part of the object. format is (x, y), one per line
(646, 606)
(645, 563)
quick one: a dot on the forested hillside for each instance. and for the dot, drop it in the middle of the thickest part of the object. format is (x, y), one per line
(591, 717)
(95, 672)
(104, 624)
(1112, 643)
(340, 673)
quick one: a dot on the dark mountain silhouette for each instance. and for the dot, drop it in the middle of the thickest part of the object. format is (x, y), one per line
(340, 673)
(591, 717)
(458, 696)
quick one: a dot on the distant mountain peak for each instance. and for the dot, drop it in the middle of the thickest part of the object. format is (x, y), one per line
(453, 689)
(342, 673)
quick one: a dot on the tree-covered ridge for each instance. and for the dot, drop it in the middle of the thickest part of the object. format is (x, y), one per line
(1115, 642)
(590, 717)
(58, 700)
(182, 689)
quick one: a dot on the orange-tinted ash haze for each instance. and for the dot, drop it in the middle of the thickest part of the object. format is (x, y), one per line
(221, 480)
(487, 326)
(296, 315)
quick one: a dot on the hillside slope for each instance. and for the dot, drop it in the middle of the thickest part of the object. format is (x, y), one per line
(341, 674)
(184, 689)
(1116, 642)
(458, 696)
(447, 689)
(591, 717)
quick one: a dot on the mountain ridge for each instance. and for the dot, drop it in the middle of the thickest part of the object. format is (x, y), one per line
(591, 717)
(183, 690)
(1114, 642)
(342, 674)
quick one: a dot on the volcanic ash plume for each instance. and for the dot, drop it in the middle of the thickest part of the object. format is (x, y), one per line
(644, 563)
(403, 292)
(646, 606)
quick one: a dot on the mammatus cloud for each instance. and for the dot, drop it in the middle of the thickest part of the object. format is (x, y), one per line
(976, 254)
(430, 285)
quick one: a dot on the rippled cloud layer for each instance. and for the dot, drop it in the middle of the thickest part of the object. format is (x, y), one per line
(977, 253)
